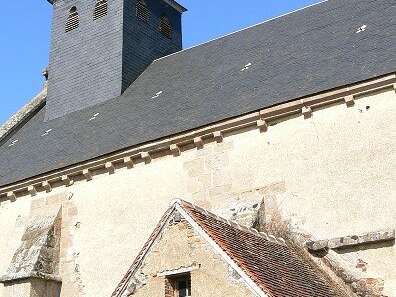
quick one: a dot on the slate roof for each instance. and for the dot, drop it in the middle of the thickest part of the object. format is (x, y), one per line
(269, 263)
(299, 54)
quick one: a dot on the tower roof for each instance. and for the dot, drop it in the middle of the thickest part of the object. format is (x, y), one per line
(172, 3)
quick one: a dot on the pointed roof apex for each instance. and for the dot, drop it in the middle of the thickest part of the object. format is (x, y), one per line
(267, 264)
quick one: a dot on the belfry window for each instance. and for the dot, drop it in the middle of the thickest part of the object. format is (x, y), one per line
(73, 20)
(101, 8)
(142, 11)
(165, 27)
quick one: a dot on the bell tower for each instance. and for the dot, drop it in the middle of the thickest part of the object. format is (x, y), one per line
(99, 47)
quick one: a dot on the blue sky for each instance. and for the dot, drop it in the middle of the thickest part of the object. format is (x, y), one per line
(25, 37)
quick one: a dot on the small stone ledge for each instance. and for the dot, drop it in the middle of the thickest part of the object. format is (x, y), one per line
(47, 186)
(307, 112)
(146, 157)
(110, 167)
(32, 190)
(353, 240)
(349, 100)
(87, 174)
(11, 196)
(67, 181)
(198, 142)
(218, 136)
(262, 125)
(128, 161)
(9, 278)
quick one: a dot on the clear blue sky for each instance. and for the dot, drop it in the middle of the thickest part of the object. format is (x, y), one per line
(25, 37)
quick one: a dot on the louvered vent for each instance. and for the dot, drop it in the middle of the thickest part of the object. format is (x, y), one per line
(165, 27)
(142, 11)
(73, 20)
(100, 9)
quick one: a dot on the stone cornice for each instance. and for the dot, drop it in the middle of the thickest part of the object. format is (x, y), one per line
(174, 145)
(352, 240)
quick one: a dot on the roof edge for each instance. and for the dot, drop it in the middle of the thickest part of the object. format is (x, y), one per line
(177, 205)
(23, 113)
(250, 283)
(212, 131)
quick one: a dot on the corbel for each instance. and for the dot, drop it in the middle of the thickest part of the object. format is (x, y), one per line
(307, 112)
(110, 167)
(198, 142)
(349, 100)
(47, 186)
(128, 161)
(32, 190)
(146, 157)
(87, 174)
(175, 150)
(218, 136)
(262, 125)
(67, 181)
(11, 196)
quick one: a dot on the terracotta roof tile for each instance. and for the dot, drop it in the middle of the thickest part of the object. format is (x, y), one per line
(273, 266)
(269, 262)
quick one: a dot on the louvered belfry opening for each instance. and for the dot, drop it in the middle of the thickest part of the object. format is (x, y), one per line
(142, 11)
(165, 27)
(101, 8)
(73, 20)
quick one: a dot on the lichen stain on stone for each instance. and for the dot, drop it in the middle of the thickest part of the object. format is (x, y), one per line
(38, 254)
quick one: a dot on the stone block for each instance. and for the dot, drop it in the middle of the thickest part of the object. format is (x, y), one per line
(198, 142)
(37, 203)
(307, 112)
(262, 125)
(47, 186)
(67, 181)
(32, 190)
(11, 196)
(72, 211)
(110, 167)
(218, 136)
(217, 161)
(87, 174)
(349, 100)
(146, 157)
(128, 161)
(175, 150)
(353, 240)
(223, 147)
(195, 167)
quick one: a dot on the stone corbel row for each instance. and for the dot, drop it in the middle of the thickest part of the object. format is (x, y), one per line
(110, 166)
(198, 138)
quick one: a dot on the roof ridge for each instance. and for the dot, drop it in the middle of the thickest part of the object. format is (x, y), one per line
(264, 235)
(23, 113)
(243, 29)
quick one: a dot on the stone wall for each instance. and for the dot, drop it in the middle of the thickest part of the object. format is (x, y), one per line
(181, 248)
(327, 176)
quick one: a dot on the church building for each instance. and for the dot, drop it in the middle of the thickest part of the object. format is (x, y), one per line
(258, 164)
